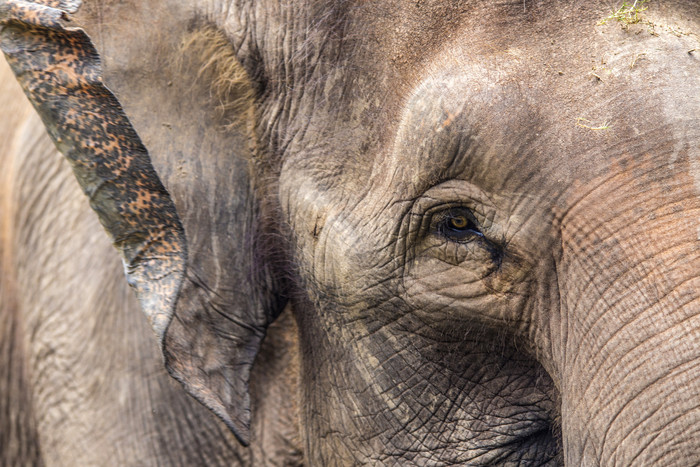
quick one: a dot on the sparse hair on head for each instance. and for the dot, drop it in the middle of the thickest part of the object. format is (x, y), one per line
(230, 86)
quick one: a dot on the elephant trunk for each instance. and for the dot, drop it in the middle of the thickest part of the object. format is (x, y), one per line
(633, 397)
(629, 355)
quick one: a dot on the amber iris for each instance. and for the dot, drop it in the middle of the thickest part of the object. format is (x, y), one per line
(458, 225)
(458, 222)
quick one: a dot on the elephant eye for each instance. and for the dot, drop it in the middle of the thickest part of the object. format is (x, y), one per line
(458, 225)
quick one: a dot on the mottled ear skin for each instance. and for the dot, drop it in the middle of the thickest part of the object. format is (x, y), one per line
(209, 350)
(59, 70)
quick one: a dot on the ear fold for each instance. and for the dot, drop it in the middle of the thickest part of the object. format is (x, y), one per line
(208, 294)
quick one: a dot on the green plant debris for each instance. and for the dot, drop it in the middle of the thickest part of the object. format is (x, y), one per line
(585, 123)
(628, 13)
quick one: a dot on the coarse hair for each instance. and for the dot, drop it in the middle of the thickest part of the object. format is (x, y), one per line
(231, 89)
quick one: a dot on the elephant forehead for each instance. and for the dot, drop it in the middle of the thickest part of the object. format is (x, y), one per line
(537, 116)
(526, 114)
(453, 119)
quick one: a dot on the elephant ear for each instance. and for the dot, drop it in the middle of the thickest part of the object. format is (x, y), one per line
(59, 70)
(208, 295)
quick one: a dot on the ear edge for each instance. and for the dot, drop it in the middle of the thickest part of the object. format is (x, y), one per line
(235, 413)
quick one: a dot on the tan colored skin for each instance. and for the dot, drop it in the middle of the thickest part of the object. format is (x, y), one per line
(82, 416)
(17, 438)
(82, 374)
(567, 331)
(589, 221)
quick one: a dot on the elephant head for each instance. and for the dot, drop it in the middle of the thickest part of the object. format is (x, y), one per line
(483, 216)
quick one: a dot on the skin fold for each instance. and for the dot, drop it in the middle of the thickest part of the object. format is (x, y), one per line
(468, 232)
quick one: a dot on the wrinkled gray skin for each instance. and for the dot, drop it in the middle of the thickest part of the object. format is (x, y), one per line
(565, 329)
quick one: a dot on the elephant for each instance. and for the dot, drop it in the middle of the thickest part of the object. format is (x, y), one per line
(361, 233)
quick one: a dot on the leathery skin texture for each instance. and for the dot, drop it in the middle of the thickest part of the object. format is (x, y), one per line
(482, 217)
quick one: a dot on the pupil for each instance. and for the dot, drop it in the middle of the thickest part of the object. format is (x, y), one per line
(459, 222)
